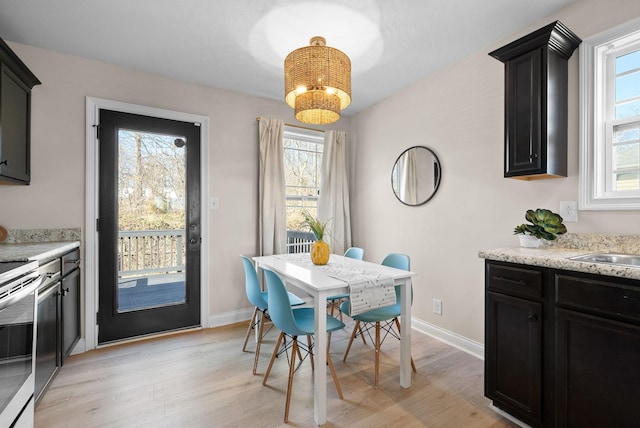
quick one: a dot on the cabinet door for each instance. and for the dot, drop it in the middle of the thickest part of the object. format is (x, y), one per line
(47, 339)
(523, 114)
(14, 128)
(70, 312)
(513, 360)
(598, 371)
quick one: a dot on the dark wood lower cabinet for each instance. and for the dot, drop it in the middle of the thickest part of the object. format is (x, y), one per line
(514, 374)
(58, 322)
(598, 371)
(562, 349)
(70, 305)
(47, 342)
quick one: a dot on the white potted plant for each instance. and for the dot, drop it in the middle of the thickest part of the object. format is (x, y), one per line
(543, 224)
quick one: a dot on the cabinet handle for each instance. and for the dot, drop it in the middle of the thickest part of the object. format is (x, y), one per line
(65, 291)
(5, 162)
(533, 317)
(73, 261)
(513, 281)
(533, 156)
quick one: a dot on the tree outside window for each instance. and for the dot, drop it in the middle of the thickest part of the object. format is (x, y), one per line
(302, 163)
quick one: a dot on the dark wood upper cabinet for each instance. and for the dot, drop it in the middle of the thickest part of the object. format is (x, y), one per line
(536, 102)
(16, 82)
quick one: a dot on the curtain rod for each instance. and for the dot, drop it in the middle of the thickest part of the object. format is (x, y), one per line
(297, 126)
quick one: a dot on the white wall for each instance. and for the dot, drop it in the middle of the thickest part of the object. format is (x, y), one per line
(56, 196)
(458, 112)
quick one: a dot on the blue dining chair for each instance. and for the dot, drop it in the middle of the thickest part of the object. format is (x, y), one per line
(259, 299)
(375, 318)
(293, 322)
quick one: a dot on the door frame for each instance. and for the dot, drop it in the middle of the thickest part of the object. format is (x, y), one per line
(93, 107)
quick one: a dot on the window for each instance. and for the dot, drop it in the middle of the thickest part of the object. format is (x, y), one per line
(610, 119)
(302, 162)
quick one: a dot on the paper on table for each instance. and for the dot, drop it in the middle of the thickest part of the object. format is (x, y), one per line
(367, 294)
(368, 290)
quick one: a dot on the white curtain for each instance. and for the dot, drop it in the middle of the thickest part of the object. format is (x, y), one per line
(333, 203)
(272, 213)
(408, 165)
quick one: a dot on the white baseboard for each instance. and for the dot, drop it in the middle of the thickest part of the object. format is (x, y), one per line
(467, 345)
(230, 317)
(457, 341)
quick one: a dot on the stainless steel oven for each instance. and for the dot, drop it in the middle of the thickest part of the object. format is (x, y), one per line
(18, 294)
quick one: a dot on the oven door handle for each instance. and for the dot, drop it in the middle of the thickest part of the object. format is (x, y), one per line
(21, 288)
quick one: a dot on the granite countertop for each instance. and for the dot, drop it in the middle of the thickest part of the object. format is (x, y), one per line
(558, 258)
(35, 251)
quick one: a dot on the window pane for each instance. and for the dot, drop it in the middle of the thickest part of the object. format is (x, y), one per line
(622, 135)
(625, 110)
(627, 181)
(627, 156)
(628, 62)
(302, 161)
(627, 86)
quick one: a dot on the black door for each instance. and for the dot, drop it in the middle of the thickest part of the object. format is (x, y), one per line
(149, 226)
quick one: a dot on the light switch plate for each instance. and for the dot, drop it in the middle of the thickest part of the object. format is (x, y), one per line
(569, 211)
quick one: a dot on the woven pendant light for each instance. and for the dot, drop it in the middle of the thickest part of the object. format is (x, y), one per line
(317, 82)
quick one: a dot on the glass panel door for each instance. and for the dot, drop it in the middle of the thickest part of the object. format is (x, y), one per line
(151, 220)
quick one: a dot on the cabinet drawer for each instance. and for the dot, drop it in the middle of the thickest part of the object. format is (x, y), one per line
(70, 261)
(516, 281)
(604, 298)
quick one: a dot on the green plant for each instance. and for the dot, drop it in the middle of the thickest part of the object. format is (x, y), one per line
(544, 224)
(316, 226)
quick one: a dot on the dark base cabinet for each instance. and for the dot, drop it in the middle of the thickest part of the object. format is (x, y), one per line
(58, 320)
(562, 349)
(598, 371)
(47, 343)
(70, 312)
(513, 377)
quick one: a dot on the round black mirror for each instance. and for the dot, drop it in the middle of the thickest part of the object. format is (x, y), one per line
(416, 176)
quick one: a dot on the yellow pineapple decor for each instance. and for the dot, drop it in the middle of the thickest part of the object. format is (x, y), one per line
(320, 250)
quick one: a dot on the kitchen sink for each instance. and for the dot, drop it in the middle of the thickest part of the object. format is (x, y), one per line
(632, 260)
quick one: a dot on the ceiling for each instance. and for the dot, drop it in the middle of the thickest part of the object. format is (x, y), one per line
(240, 45)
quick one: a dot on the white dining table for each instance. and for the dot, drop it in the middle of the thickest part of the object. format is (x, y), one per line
(314, 280)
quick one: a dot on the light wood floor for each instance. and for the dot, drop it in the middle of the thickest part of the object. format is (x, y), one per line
(203, 379)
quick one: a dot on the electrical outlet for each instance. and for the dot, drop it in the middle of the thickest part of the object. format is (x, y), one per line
(437, 306)
(569, 211)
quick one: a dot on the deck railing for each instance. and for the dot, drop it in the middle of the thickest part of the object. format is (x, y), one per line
(299, 242)
(144, 252)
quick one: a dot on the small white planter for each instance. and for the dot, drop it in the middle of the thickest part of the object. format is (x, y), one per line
(529, 241)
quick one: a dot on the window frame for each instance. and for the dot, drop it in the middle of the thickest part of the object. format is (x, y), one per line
(596, 121)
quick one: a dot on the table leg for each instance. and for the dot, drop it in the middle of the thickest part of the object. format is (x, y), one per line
(320, 352)
(405, 335)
